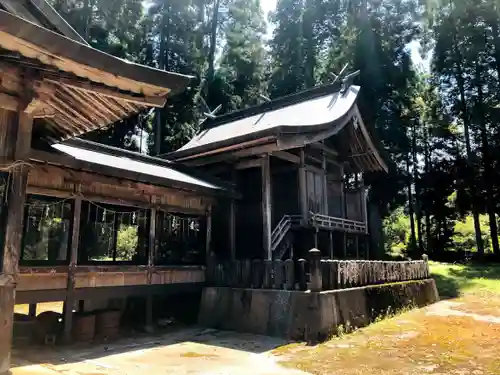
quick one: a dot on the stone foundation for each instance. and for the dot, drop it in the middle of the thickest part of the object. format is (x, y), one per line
(307, 316)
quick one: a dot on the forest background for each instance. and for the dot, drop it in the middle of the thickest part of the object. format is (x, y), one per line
(436, 119)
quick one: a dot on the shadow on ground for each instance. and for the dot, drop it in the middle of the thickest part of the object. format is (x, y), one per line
(458, 278)
(210, 337)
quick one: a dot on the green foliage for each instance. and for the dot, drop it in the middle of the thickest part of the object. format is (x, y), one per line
(126, 242)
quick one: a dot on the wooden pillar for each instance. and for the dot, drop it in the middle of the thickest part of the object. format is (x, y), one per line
(330, 235)
(325, 184)
(208, 241)
(151, 262)
(342, 191)
(316, 230)
(303, 187)
(232, 221)
(345, 244)
(32, 310)
(266, 206)
(17, 127)
(75, 241)
(356, 244)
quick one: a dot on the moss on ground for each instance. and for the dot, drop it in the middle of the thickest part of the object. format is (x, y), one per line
(415, 342)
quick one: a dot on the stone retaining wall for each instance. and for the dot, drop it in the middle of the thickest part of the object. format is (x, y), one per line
(308, 316)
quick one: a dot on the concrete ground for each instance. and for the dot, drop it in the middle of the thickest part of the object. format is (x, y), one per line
(187, 351)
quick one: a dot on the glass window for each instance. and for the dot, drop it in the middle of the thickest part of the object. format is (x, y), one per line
(181, 240)
(113, 234)
(47, 229)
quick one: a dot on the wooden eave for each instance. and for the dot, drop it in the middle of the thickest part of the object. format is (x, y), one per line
(50, 159)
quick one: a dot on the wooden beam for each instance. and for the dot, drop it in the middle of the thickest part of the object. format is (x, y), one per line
(19, 132)
(150, 101)
(324, 148)
(288, 156)
(73, 257)
(266, 206)
(247, 164)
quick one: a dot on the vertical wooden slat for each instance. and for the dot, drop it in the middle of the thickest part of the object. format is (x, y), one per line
(208, 241)
(75, 241)
(266, 206)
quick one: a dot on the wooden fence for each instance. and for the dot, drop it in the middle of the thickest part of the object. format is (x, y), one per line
(314, 274)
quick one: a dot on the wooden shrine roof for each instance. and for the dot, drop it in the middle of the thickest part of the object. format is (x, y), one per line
(291, 122)
(79, 88)
(89, 156)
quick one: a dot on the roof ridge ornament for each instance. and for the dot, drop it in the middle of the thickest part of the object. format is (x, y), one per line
(206, 111)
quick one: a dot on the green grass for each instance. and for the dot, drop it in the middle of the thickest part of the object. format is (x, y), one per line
(454, 280)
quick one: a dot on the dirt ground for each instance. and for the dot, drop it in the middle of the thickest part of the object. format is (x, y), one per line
(188, 351)
(452, 337)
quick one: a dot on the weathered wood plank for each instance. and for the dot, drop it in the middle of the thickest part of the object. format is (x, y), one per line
(266, 206)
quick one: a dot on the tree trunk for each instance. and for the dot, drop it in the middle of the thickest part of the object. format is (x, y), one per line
(213, 43)
(162, 57)
(466, 121)
(427, 166)
(310, 48)
(487, 165)
(413, 238)
(418, 211)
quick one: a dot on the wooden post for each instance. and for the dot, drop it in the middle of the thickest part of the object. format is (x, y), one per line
(73, 256)
(364, 199)
(32, 310)
(18, 128)
(315, 270)
(303, 187)
(151, 263)
(316, 230)
(345, 244)
(356, 243)
(266, 206)
(208, 240)
(330, 235)
(152, 238)
(325, 184)
(232, 229)
(232, 220)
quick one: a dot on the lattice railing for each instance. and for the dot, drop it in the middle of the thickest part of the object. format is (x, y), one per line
(330, 222)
